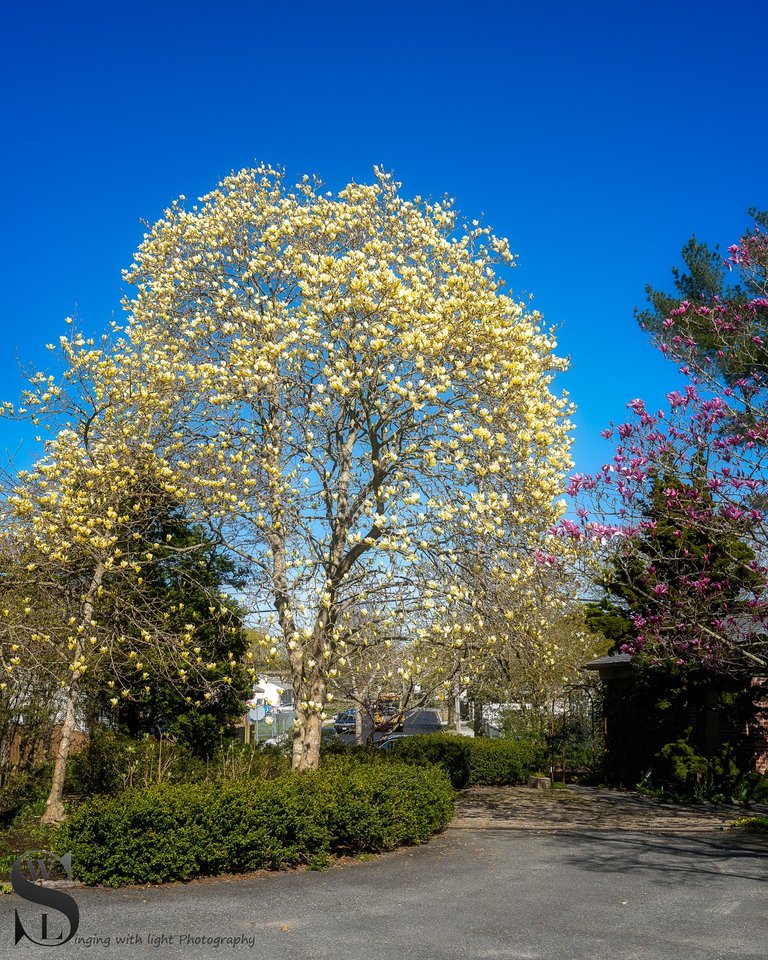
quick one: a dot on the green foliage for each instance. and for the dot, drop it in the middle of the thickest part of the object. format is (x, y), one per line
(473, 761)
(572, 732)
(26, 714)
(705, 281)
(681, 770)
(14, 793)
(653, 573)
(382, 804)
(175, 832)
(751, 787)
(651, 710)
(25, 832)
(23, 790)
(683, 774)
(111, 761)
(751, 824)
(530, 726)
(579, 743)
(447, 751)
(188, 582)
(246, 761)
(493, 762)
(609, 618)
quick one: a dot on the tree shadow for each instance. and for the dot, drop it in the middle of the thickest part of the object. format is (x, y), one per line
(669, 859)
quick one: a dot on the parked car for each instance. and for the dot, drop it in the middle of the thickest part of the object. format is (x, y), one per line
(388, 742)
(344, 722)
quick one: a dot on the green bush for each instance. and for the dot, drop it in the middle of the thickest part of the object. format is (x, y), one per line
(473, 761)
(493, 762)
(175, 832)
(381, 804)
(751, 788)
(24, 791)
(111, 761)
(681, 774)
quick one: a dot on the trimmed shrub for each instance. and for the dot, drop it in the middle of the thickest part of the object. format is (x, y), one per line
(493, 762)
(473, 761)
(380, 805)
(449, 752)
(176, 832)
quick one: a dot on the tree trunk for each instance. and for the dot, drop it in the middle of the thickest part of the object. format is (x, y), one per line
(306, 740)
(478, 727)
(309, 695)
(54, 807)
(358, 718)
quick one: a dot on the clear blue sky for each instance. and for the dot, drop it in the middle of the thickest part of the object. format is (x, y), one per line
(597, 137)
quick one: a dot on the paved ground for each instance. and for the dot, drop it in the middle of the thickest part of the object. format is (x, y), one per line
(573, 894)
(587, 808)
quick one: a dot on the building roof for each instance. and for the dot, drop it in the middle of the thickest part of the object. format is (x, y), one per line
(612, 660)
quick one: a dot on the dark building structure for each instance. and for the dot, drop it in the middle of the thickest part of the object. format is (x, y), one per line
(643, 711)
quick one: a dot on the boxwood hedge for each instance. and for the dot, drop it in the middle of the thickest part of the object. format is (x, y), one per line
(176, 832)
(473, 761)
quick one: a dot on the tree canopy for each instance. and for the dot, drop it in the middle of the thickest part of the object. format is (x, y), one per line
(681, 506)
(367, 414)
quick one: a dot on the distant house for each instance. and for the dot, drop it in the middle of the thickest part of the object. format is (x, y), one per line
(641, 714)
(270, 704)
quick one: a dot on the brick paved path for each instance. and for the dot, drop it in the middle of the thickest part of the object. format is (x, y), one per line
(587, 808)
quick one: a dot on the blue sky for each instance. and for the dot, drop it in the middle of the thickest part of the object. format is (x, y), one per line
(597, 137)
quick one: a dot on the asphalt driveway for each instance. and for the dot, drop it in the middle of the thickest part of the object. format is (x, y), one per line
(468, 894)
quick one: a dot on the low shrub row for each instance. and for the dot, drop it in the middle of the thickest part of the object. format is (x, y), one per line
(473, 761)
(176, 832)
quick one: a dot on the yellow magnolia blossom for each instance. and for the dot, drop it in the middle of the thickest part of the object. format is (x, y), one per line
(357, 407)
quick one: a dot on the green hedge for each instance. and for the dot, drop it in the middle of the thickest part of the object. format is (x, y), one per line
(176, 832)
(473, 761)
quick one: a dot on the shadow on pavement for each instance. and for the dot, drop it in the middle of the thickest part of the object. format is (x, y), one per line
(669, 859)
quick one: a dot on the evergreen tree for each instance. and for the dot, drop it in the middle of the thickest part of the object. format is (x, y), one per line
(190, 582)
(717, 317)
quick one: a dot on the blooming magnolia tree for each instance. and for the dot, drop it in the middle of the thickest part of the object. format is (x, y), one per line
(77, 536)
(681, 507)
(366, 413)
(545, 643)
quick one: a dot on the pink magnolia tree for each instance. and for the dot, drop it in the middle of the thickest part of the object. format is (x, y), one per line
(677, 518)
